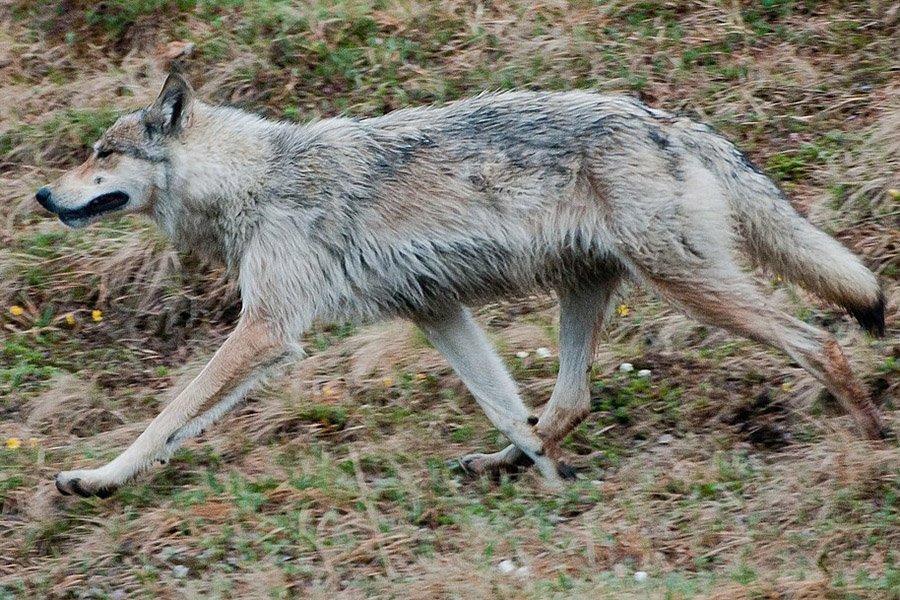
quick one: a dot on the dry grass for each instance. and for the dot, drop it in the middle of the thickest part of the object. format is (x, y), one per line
(729, 474)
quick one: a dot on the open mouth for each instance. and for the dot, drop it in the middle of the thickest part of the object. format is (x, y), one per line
(99, 205)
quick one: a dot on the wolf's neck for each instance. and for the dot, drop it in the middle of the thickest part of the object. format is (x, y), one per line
(217, 174)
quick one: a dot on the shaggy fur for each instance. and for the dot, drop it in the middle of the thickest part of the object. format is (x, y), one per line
(424, 211)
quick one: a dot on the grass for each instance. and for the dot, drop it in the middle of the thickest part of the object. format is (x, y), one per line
(725, 474)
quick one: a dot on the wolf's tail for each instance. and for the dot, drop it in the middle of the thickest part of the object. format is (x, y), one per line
(782, 240)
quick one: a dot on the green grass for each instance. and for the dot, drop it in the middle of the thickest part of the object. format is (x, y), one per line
(25, 361)
(64, 137)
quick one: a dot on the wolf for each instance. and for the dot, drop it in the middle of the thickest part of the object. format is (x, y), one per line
(424, 212)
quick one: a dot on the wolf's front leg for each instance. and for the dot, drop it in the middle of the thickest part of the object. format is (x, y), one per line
(456, 335)
(236, 366)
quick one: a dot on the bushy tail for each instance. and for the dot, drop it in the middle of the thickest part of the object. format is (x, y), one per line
(782, 240)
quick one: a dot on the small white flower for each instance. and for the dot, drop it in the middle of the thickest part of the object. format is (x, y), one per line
(556, 519)
(626, 367)
(506, 566)
(180, 571)
(644, 373)
(542, 352)
(640, 576)
(522, 354)
(522, 572)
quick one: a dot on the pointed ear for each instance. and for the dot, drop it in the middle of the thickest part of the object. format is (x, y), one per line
(172, 108)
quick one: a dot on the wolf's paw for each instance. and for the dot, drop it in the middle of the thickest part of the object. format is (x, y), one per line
(566, 471)
(476, 464)
(509, 460)
(83, 483)
(887, 434)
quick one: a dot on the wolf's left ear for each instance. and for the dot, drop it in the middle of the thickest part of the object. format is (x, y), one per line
(171, 111)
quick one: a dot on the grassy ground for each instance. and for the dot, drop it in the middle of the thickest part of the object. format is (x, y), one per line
(727, 473)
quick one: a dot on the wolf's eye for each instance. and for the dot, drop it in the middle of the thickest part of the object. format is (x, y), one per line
(104, 153)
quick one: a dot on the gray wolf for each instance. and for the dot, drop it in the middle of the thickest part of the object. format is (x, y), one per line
(425, 211)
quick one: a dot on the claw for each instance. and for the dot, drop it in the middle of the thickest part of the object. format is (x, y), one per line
(104, 492)
(75, 484)
(464, 465)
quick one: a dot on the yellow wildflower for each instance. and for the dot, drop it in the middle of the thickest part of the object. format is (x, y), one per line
(894, 194)
(387, 381)
(33, 442)
(623, 310)
(70, 319)
(13, 443)
(327, 391)
(421, 377)
(16, 310)
(97, 315)
(786, 386)
(778, 278)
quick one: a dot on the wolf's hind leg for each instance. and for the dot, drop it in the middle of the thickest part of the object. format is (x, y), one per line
(582, 312)
(686, 249)
(456, 335)
(733, 303)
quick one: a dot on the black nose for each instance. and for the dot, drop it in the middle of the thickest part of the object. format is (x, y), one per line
(43, 197)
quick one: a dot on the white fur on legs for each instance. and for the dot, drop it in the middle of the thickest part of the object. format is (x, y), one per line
(469, 352)
(581, 316)
(248, 352)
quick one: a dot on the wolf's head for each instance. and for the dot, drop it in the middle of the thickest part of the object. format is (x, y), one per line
(127, 167)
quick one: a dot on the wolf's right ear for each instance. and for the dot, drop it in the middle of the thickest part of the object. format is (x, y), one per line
(171, 111)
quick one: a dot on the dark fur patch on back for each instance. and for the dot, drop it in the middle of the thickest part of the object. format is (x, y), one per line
(870, 317)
